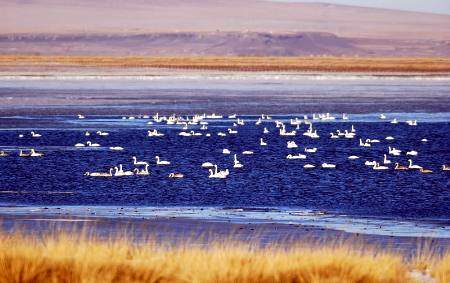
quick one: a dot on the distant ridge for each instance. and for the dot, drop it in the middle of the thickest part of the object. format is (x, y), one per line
(218, 44)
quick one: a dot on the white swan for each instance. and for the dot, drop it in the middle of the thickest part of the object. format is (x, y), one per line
(33, 153)
(89, 143)
(364, 144)
(79, 145)
(35, 135)
(100, 133)
(176, 175)
(218, 174)
(262, 142)
(265, 131)
(389, 138)
(298, 156)
(411, 166)
(412, 152)
(161, 162)
(308, 166)
(232, 132)
(220, 134)
(412, 122)
(311, 150)
(237, 164)
(423, 140)
(328, 166)
(135, 162)
(370, 163)
(334, 136)
(382, 116)
(247, 152)
(3, 153)
(81, 116)
(23, 154)
(445, 168)
(385, 160)
(377, 166)
(116, 148)
(226, 151)
(351, 157)
(142, 172)
(100, 174)
(291, 144)
(207, 165)
(154, 133)
(119, 172)
(394, 151)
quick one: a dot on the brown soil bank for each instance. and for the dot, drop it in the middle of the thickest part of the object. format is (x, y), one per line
(307, 64)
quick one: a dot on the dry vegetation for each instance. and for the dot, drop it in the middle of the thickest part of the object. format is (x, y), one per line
(328, 64)
(65, 258)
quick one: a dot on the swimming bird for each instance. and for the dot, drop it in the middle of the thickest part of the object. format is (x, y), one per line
(33, 153)
(445, 168)
(3, 153)
(334, 136)
(135, 162)
(389, 138)
(35, 135)
(385, 160)
(351, 157)
(116, 148)
(100, 133)
(226, 151)
(308, 166)
(298, 156)
(119, 172)
(247, 152)
(89, 143)
(100, 174)
(364, 144)
(412, 152)
(207, 165)
(328, 165)
(262, 142)
(176, 175)
(377, 166)
(311, 150)
(400, 167)
(425, 171)
(142, 172)
(291, 144)
(161, 162)
(411, 166)
(265, 131)
(23, 154)
(394, 151)
(79, 145)
(370, 163)
(237, 164)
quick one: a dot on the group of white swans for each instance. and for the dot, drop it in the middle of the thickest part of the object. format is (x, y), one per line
(142, 167)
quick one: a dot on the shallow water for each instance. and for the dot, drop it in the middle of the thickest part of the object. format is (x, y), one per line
(353, 196)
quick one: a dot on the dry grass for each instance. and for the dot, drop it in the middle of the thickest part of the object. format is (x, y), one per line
(65, 258)
(325, 64)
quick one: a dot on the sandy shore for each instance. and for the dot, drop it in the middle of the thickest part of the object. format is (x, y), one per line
(202, 232)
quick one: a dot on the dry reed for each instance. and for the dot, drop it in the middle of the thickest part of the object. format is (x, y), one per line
(312, 64)
(63, 257)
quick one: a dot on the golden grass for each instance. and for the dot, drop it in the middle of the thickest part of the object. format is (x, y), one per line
(66, 258)
(319, 64)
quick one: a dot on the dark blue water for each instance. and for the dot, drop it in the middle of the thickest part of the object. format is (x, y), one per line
(267, 179)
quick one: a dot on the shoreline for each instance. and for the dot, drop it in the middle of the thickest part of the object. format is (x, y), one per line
(328, 65)
(199, 232)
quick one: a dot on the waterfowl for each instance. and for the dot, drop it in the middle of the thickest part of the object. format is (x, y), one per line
(389, 138)
(445, 168)
(87, 134)
(3, 153)
(262, 142)
(207, 165)
(411, 166)
(237, 164)
(33, 153)
(226, 151)
(423, 140)
(232, 132)
(328, 166)
(35, 135)
(119, 172)
(247, 152)
(79, 145)
(382, 116)
(412, 122)
(142, 172)
(400, 167)
(385, 160)
(161, 162)
(23, 154)
(308, 166)
(298, 156)
(116, 148)
(394, 151)
(265, 131)
(351, 157)
(334, 136)
(394, 121)
(135, 162)
(377, 166)
(100, 174)
(154, 133)
(176, 175)
(81, 116)
(412, 152)
(425, 171)
(89, 143)
(370, 163)
(100, 133)
(220, 134)
(311, 150)
(363, 144)
(291, 144)
(218, 174)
